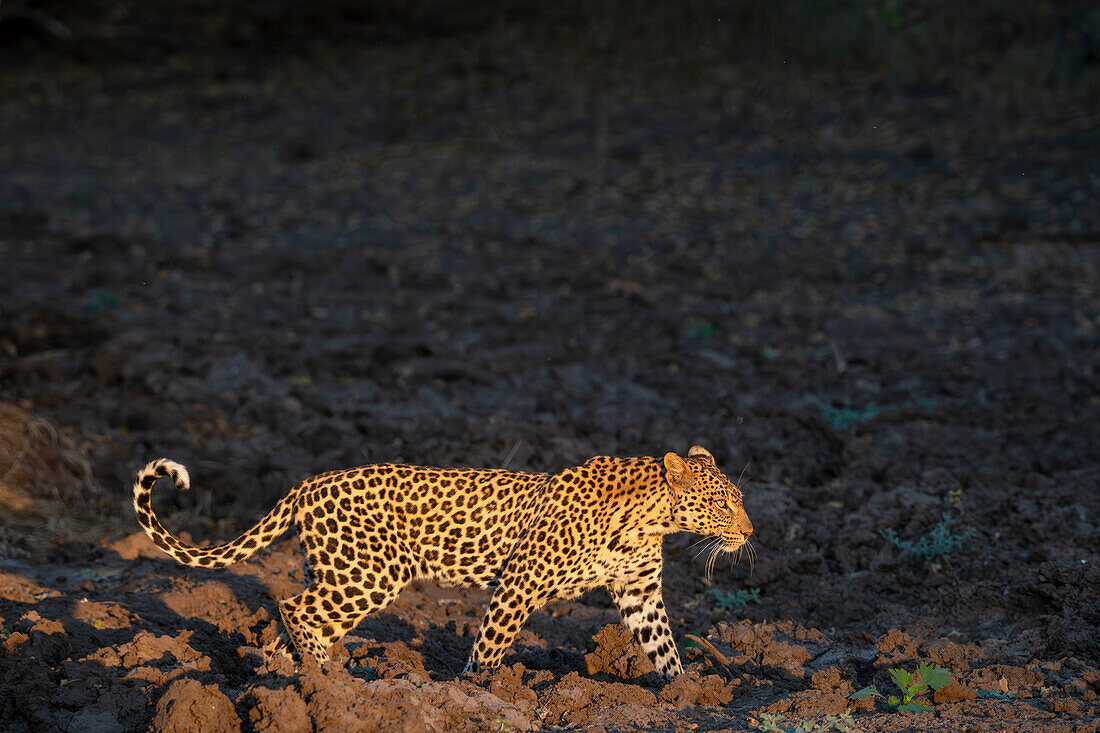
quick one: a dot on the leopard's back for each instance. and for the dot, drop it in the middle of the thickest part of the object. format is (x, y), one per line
(454, 525)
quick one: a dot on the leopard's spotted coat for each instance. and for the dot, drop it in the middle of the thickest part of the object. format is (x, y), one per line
(369, 531)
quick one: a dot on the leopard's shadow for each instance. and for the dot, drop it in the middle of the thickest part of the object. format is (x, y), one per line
(444, 648)
(385, 627)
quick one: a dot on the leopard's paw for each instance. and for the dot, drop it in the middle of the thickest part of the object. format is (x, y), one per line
(278, 656)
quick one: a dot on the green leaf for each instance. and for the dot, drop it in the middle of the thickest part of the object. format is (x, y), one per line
(733, 601)
(890, 16)
(935, 677)
(702, 331)
(865, 693)
(893, 700)
(769, 723)
(996, 695)
(901, 678)
(914, 707)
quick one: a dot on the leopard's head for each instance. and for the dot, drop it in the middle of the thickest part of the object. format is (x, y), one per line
(705, 501)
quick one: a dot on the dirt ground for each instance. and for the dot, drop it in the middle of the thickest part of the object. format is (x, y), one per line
(474, 247)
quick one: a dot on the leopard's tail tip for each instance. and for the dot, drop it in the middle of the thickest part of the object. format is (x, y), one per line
(167, 467)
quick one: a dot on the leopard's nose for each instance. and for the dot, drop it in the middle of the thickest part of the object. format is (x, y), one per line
(746, 526)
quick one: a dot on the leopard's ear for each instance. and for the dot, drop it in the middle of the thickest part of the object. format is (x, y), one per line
(677, 473)
(698, 450)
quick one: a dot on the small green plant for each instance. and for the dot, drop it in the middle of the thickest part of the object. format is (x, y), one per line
(843, 418)
(102, 299)
(955, 497)
(768, 723)
(939, 541)
(993, 694)
(913, 687)
(702, 331)
(732, 601)
(362, 668)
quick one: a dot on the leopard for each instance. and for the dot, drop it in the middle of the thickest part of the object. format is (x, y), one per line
(533, 538)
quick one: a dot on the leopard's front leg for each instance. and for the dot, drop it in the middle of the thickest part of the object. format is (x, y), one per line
(638, 597)
(509, 609)
(526, 581)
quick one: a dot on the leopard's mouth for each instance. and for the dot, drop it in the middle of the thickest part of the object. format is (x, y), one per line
(741, 545)
(732, 544)
(718, 544)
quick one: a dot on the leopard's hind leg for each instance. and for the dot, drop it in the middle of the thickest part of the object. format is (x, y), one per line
(351, 579)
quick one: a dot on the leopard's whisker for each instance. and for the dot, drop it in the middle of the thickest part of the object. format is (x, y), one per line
(716, 549)
(693, 544)
(702, 549)
(738, 484)
(712, 549)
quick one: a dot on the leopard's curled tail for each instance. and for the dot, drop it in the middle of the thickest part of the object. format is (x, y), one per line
(271, 526)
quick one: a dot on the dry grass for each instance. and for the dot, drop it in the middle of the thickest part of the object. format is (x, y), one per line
(47, 491)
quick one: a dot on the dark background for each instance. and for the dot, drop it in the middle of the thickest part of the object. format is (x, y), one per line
(850, 247)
